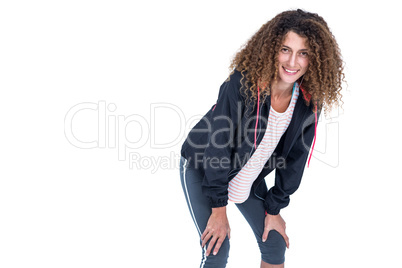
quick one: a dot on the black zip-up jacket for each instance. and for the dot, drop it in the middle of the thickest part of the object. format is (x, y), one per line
(226, 137)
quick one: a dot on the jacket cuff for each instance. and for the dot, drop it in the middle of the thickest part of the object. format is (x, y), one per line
(273, 212)
(216, 203)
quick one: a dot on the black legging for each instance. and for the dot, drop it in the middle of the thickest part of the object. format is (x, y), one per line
(272, 250)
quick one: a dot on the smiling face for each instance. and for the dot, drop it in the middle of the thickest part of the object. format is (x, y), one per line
(293, 58)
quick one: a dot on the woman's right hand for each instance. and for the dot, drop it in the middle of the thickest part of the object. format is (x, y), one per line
(216, 230)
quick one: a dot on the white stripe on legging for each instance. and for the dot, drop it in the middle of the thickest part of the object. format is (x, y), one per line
(204, 257)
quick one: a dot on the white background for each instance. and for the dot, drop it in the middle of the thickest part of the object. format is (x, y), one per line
(65, 206)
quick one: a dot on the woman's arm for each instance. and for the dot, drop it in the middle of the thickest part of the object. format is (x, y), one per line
(225, 118)
(288, 177)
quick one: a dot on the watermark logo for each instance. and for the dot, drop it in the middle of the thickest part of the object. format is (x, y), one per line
(327, 147)
(115, 131)
(127, 134)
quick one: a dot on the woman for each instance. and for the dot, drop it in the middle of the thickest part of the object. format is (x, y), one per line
(265, 118)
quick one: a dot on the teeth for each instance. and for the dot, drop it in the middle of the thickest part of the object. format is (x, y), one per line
(289, 71)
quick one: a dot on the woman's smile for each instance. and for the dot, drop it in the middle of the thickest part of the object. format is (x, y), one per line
(289, 71)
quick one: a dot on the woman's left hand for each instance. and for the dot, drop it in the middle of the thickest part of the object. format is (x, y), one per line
(275, 222)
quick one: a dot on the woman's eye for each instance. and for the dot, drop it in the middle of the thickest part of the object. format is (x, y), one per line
(304, 54)
(285, 50)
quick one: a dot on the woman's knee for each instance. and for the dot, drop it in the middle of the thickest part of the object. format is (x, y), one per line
(273, 249)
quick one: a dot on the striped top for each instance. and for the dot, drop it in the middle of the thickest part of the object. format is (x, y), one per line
(240, 186)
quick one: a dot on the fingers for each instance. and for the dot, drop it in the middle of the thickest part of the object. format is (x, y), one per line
(286, 240)
(205, 237)
(265, 234)
(218, 245)
(282, 232)
(210, 246)
(216, 240)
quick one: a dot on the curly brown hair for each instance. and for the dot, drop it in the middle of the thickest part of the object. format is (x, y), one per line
(258, 59)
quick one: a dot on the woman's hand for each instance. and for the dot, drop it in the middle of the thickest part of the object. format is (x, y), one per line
(275, 222)
(216, 230)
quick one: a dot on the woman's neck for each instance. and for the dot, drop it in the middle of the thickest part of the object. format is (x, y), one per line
(281, 95)
(280, 89)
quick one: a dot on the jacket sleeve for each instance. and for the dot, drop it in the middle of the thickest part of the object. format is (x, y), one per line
(288, 177)
(217, 155)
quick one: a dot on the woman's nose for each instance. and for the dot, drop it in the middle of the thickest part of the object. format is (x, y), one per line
(292, 60)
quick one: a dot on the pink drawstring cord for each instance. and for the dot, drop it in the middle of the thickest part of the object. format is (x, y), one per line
(256, 122)
(315, 135)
